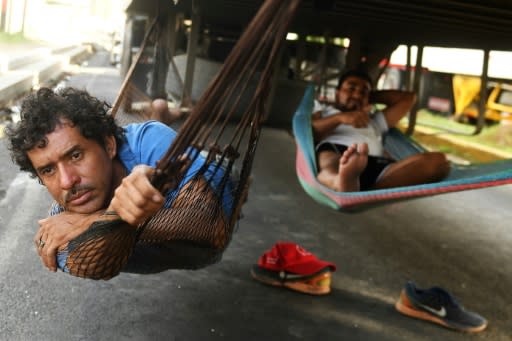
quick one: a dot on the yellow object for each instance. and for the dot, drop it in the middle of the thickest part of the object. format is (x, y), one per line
(466, 90)
(466, 94)
(496, 108)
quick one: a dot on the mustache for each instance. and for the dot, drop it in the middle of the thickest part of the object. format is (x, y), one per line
(350, 105)
(75, 191)
(357, 104)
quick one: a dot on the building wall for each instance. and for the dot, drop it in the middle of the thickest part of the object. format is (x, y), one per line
(13, 16)
(64, 22)
(458, 61)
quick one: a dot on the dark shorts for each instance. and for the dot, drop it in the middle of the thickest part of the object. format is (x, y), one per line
(373, 169)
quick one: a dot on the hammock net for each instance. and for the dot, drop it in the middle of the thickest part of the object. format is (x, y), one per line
(197, 226)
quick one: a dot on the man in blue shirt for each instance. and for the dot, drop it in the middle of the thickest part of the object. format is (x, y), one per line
(91, 166)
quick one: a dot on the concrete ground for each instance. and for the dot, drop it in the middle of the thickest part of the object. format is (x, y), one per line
(460, 241)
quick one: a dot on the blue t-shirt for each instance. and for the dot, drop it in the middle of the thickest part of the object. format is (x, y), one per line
(146, 143)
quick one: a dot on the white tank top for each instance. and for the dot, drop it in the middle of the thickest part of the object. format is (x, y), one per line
(345, 134)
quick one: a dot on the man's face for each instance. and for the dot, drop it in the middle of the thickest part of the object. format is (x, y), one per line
(76, 171)
(353, 94)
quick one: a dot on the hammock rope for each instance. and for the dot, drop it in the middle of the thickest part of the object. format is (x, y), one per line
(461, 177)
(195, 230)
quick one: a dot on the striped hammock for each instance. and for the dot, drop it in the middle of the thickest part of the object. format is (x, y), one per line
(399, 146)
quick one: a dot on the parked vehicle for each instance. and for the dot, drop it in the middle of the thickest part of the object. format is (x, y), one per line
(466, 94)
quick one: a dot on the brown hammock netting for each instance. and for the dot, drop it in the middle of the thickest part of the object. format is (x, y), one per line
(195, 230)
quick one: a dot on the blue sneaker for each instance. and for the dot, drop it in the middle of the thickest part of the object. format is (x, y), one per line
(438, 306)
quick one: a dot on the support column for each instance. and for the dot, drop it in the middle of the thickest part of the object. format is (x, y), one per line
(483, 94)
(407, 83)
(172, 33)
(161, 66)
(186, 99)
(354, 53)
(299, 56)
(273, 85)
(3, 15)
(416, 89)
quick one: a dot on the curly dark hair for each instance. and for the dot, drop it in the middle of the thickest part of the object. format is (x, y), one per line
(42, 111)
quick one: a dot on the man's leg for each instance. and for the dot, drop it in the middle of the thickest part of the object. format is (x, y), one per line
(342, 173)
(414, 170)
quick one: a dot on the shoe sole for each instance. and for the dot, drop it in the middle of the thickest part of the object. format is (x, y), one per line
(404, 306)
(315, 285)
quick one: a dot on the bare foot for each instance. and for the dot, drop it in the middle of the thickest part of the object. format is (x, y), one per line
(160, 111)
(352, 163)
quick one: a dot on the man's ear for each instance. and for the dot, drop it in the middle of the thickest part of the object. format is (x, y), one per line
(111, 146)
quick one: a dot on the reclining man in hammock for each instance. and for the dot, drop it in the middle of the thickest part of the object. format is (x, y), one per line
(91, 167)
(349, 147)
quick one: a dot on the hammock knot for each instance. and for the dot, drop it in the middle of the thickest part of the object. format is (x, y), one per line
(197, 145)
(169, 178)
(230, 152)
(214, 148)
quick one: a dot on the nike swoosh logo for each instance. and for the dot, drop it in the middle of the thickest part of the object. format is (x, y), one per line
(439, 312)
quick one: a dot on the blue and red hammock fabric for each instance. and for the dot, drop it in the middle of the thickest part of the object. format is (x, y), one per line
(399, 146)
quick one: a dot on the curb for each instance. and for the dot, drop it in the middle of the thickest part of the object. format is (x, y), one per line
(33, 70)
(465, 144)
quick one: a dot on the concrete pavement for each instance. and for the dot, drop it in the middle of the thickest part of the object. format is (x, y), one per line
(460, 241)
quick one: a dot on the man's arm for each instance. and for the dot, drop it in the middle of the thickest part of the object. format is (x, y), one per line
(323, 126)
(398, 104)
(134, 201)
(56, 231)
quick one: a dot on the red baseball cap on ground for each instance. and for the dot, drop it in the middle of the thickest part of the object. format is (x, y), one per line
(291, 257)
